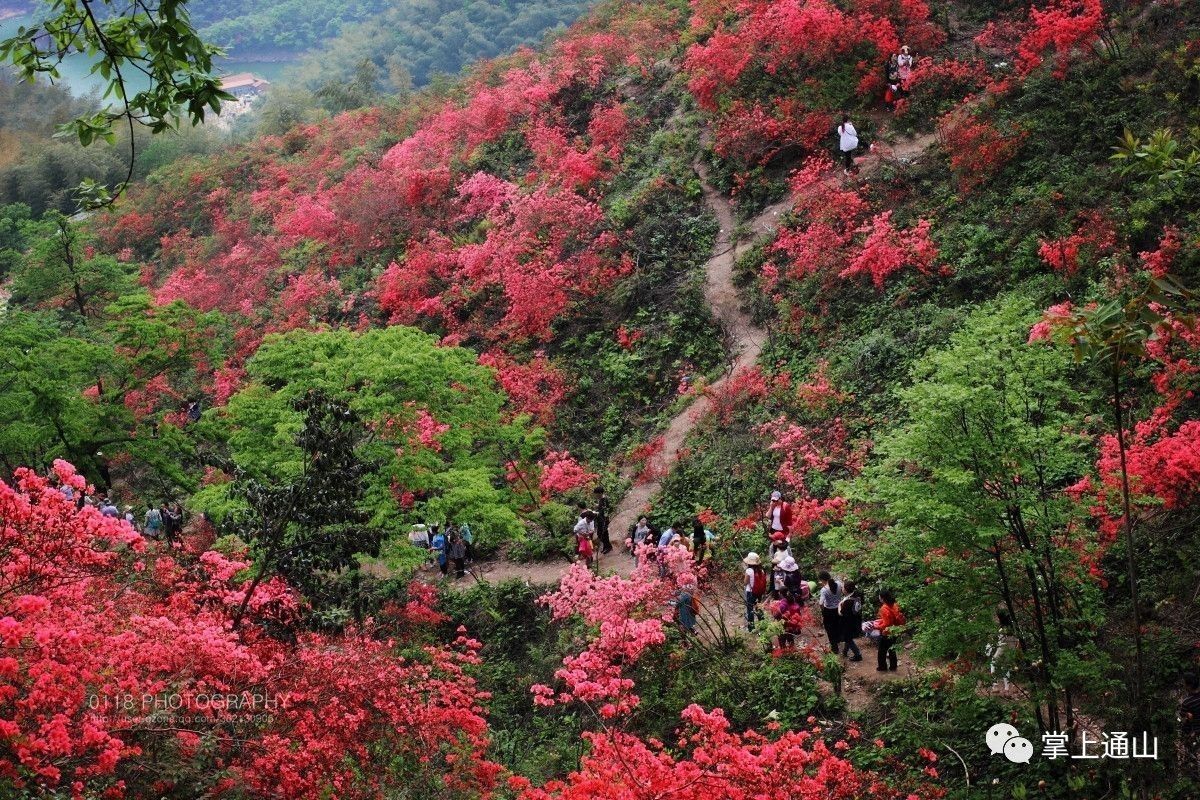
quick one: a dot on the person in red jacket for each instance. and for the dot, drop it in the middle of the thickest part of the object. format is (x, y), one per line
(778, 516)
(890, 616)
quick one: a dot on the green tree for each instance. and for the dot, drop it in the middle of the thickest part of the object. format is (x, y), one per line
(60, 272)
(149, 44)
(391, 378)
(311, 528)
(965, 511)
(64, 389)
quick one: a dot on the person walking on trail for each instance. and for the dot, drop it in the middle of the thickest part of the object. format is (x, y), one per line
(468, 540)
(686, 604)
(602, 519)
(172, 521)
(699, 540)
(890, 616)
(585, 532)
(847, 143)
(850, 611)
(418, 537)
(457, 552)
(154, 522)
(831, 599)
(755, 588)
(438, 543)
(639, 534)
(109, 509)
(778, 516)
(788, 611)
(904, 67)
(790, 584)
(892, 75)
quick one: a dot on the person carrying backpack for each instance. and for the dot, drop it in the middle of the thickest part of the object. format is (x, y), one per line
(687, 604)
(755, 588)
(831, 599)
(790, 584)
(850, 611)
(456, 550)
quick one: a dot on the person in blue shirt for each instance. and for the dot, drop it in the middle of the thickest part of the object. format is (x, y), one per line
(438, 543)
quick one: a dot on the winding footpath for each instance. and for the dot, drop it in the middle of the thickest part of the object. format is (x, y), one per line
(745, 344)
(746, 340)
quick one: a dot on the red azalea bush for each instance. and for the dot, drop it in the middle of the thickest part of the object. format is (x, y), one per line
(121, 675)
(977, 149)
(837, 235)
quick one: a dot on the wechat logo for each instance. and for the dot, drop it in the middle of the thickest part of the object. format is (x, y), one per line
(1004, 738)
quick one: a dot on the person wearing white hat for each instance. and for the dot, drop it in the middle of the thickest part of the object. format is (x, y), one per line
(755, 588)
(789, 584)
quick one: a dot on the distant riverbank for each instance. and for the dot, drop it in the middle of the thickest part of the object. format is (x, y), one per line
(75, 71)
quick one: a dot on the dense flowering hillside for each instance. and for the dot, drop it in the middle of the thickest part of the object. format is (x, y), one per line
(965, 341)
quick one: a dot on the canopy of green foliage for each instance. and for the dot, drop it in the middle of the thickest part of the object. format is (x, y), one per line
(391, 378)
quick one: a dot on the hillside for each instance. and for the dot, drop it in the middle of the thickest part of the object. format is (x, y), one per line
(634, 258)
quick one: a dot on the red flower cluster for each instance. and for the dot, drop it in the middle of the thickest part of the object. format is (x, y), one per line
(1096, 236)
(117, 655)
(838, 235)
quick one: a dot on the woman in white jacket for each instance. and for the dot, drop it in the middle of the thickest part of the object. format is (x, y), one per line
(848, 142)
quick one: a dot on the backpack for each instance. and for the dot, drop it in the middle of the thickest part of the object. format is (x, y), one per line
(695, 604)
(758, 586)
(153, 519)
(850, 606)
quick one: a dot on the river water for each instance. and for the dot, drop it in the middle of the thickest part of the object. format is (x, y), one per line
(74, 70)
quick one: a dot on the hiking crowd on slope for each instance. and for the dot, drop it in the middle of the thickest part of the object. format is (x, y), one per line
(898, 78)
(160, 520)
(779, 586)
(446, 546)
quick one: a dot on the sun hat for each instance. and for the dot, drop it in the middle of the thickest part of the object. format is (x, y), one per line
(776, 496)
(778, 536)
(751, 559)
(789, 565)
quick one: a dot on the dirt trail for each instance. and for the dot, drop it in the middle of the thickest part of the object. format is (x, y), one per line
(745, 339)
(745, 344)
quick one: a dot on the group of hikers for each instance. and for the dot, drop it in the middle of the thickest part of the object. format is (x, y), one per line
(592, 535)
(445, 546)
(898, 75)
(161, 521)
(775, 585)
(779, 586)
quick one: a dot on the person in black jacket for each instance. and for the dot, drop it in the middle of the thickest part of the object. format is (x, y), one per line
(850, 611)
(601, 511)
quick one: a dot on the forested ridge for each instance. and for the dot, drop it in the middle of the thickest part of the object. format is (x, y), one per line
(878, 291)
